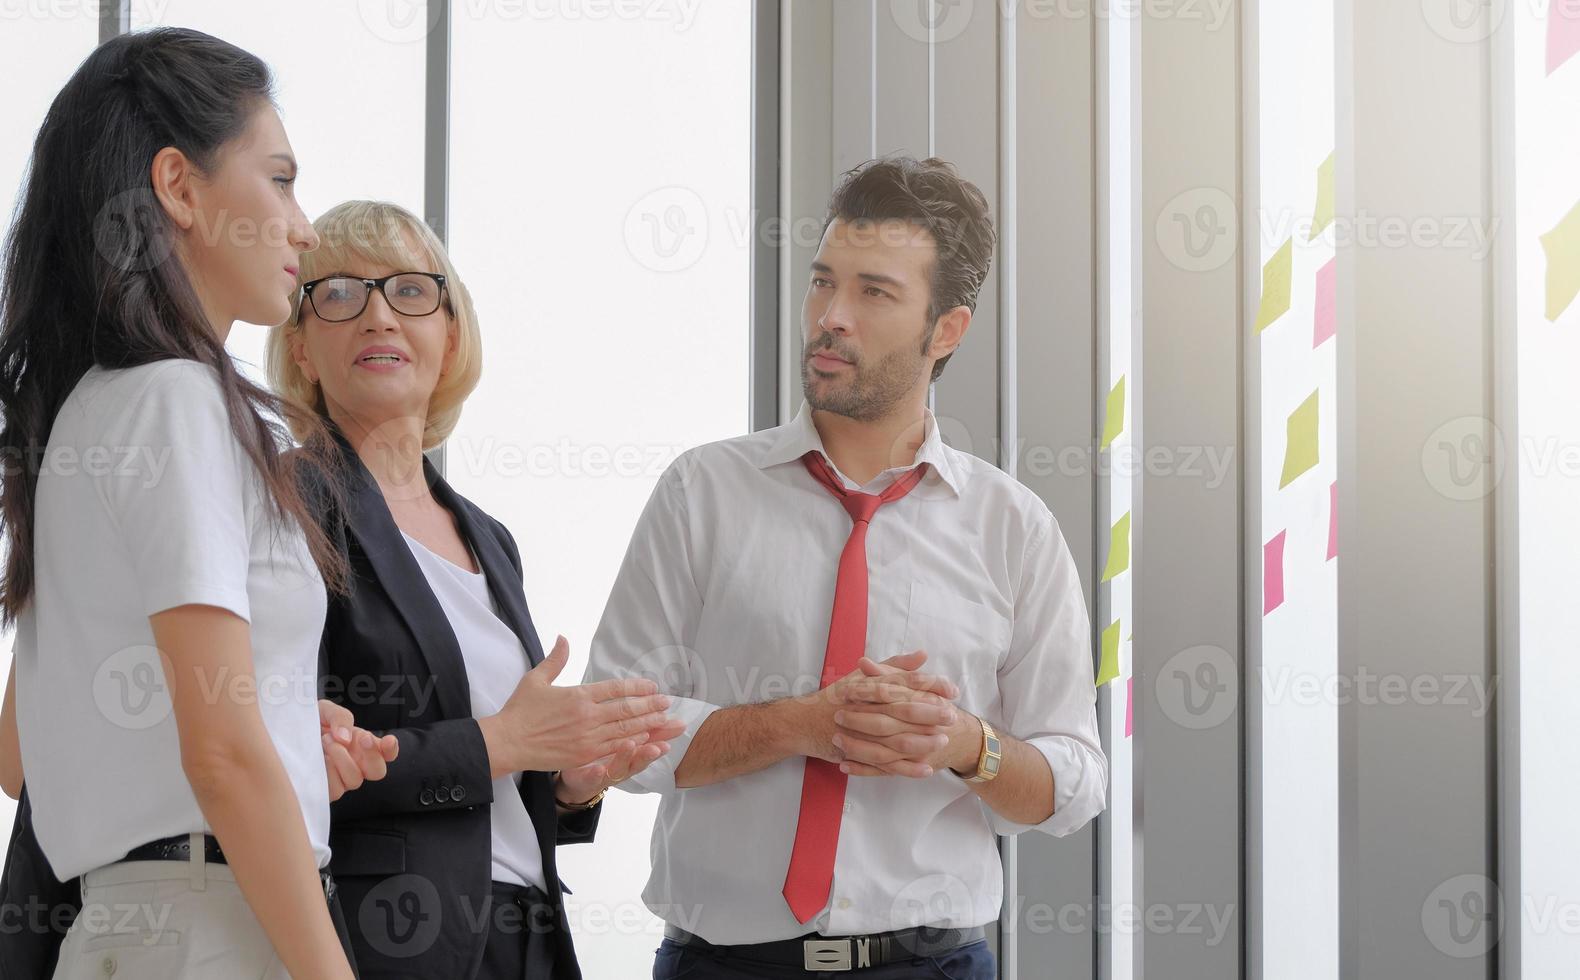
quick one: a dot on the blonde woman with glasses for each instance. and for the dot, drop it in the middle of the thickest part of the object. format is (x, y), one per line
(450, 861)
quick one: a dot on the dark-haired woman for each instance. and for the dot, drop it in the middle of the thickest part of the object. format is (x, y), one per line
(172, 579)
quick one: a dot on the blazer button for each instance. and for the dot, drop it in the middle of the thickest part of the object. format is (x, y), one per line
(442, 794)
(457, 794)
(425, 797)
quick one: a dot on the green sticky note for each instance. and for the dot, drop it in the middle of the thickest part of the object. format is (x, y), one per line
(1114, 423)
(1109, 668)
(1118, 549)
(1300, 446)
(1322, 215)
(1276, 277)
(1562, 246)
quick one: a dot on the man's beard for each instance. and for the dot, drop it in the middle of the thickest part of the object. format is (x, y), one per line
(871, 391)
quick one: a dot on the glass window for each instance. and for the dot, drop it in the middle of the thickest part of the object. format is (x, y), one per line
(42, 44)
(1121, 921)
(601, 218)
(357, 133)
(1545, 70)
(1299, 614)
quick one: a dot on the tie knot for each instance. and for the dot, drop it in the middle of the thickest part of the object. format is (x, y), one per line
(860, 506)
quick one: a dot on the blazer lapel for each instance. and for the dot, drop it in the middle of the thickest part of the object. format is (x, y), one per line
(403, 581)
(504, 584)
(402, 578)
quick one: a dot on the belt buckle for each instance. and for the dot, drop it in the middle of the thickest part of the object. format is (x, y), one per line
(832, 955)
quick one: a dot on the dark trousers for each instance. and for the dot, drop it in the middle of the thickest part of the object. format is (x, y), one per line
(337, 915)
(973, 961)
(521, 935)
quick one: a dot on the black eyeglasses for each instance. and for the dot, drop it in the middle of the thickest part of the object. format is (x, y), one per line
(339, 298)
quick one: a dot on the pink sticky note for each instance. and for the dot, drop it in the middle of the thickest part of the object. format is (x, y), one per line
(1327, 301)
(1563, 32)
(1130, 704)
(1273, 573)
(1333, 520)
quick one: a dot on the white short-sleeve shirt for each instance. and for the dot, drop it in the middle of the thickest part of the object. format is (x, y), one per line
(147, 502)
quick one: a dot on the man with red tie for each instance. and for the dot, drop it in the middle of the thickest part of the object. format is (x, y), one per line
(878, 643)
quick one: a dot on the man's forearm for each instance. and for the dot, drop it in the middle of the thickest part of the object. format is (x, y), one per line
(1023, 790)
(743, 739)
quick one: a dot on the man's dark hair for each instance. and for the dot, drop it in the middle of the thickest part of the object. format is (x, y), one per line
(932, 195)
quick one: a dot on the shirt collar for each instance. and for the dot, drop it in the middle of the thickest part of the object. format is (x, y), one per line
(799, 437)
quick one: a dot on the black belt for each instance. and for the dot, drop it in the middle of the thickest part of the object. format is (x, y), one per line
(179, 848)
(835, 954)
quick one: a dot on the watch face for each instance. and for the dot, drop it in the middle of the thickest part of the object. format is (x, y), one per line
(991, 765)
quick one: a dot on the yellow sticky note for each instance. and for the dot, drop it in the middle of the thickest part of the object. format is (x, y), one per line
(1276, 276)
(1118, 549)
(1562, 246)
(1109, 668)
(1114, 423)
(1322, 215)
(1300, 446)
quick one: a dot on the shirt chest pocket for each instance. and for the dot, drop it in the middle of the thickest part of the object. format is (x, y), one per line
(964, 638)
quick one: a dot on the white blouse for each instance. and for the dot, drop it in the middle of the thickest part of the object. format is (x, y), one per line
(495, 664)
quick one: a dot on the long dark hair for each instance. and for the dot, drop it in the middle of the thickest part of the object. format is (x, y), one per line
(91, 276)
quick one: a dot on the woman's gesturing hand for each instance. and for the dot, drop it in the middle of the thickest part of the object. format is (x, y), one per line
(352, 755)
(543, 728)
(575, 786)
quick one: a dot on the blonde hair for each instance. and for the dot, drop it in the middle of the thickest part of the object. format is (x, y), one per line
(381, 233)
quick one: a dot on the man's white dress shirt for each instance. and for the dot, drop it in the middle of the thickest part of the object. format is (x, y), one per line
(724, 598)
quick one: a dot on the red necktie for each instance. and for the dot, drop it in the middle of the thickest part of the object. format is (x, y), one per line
(811, 873)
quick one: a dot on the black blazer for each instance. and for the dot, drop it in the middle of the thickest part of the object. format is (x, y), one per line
(412, 852)
(36, 908)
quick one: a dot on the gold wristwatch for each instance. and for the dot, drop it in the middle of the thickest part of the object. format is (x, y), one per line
(991, 759)
(577, 807)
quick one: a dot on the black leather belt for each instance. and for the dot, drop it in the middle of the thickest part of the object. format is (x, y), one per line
(179, 848)
(836, 954)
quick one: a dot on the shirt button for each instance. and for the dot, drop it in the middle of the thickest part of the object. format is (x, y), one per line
(108, 966)
(844, 903)
(849, 807)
